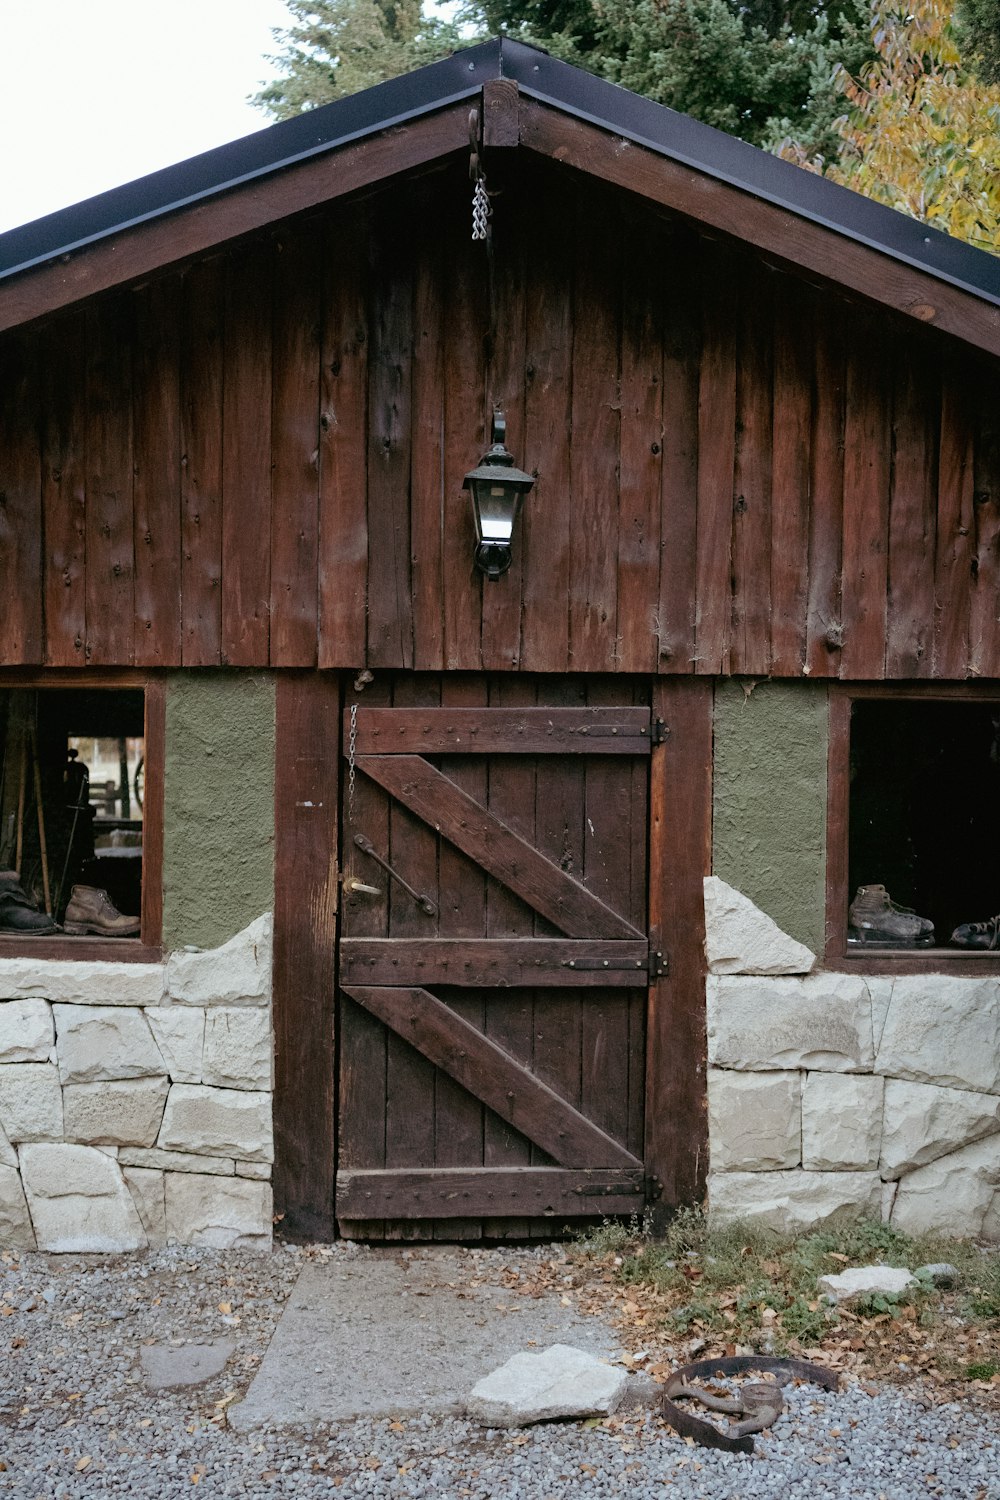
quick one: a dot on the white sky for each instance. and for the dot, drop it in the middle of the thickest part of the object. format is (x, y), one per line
(99, 92)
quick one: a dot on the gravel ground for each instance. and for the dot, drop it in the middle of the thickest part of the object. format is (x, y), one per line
(77, 1420)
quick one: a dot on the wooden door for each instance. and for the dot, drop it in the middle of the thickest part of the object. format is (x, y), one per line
(493, 981)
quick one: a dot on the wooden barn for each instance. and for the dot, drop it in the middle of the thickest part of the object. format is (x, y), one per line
(453, 870)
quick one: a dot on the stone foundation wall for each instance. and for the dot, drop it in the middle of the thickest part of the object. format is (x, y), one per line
(135, 1100)
(832, 1093)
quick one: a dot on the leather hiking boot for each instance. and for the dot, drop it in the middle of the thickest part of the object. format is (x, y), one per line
(875, 918)
(983, 935)
(17, 913)
(91, 910)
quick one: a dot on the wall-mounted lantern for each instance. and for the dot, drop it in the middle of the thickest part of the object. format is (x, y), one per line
(497, 489)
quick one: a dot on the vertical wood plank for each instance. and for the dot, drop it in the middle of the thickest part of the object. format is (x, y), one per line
(246, 459)
(390, 604)
(912, 519)
(680, 856)
(716, 457)
(157, 525)
(679, 489)
(154, 749)
(547, 514)
(20, 507)
(343, 471)
(866, 499)
(596, 428)
(465, 441)
(427, 464)
(110, 551)
(295, 449)
(305, 914)
(824, 631)
(790, 472)
(64, 485)
(984, 632)
(501, 616)
(750, 637)
(641, 446)
(953, 563)
(202, 317)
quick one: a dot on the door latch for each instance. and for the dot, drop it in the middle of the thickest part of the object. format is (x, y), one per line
(427, 906)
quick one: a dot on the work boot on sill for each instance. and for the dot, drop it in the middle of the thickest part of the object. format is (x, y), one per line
(92, 910)
(875, 918)
(18, 915)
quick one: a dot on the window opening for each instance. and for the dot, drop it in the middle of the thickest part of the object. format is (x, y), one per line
(924, 825)
(72, 784)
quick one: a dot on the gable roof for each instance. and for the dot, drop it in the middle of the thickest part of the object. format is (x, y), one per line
(568, 114)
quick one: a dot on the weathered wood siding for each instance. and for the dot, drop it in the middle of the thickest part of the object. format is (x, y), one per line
(259, 461)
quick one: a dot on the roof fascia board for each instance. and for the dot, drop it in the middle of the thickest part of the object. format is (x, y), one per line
(729, 160)
(158, 243)
(796, 243)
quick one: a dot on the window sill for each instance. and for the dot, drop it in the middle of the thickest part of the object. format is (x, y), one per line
(81, 949)
(909, 961)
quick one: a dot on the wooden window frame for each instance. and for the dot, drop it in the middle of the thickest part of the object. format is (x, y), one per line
(147, 948)
(843, 696)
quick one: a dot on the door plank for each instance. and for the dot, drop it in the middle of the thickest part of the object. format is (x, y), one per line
(454, 1192)
(519, 731)
(490, 1073)
(494, 962)
(504, 854)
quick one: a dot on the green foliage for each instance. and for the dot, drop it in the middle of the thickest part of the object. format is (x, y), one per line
(977, 28)
(982, 1372)
(337, 47)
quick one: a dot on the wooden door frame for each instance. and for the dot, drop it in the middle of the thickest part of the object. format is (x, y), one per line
(307, 802)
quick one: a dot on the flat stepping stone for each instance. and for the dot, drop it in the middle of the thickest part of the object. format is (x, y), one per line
(557, 1383)
(166, 1369)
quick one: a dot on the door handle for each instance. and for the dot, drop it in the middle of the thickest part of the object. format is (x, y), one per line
(357, 887)
(367, 847)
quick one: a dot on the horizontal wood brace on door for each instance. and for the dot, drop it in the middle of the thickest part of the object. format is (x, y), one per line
(495, 963)
(468, 1192)
(471, 827)
(517, 731)
(492, 1075)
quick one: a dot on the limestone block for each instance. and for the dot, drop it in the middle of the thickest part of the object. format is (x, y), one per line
(257, 1169)
(31, 1102)
(78, 1200)
(741, 939)
(793, 1201)
(880, 992)
(179, 1031)
(8, 1156)
(923, 1122)
(943, 1029)
(556, 1382)
(104, 1041)
(25, 1031)
(841, 1121)
(238, 1047)
(76, 982)
(957, 1195)
(820, 1023)
(754, 1120)
(866, 1281)
(126, 1112)
(238, 973)
(179, 1161)
(217, 1122)
(146, 1188)
(219, 1211)
(16, 1232)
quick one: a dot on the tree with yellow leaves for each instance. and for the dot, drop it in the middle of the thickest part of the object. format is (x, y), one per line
(922, 135)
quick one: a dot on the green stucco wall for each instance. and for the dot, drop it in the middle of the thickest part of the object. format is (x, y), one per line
(218, 836)
(769, 830)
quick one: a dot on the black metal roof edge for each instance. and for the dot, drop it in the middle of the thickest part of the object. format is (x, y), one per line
(253, 156)
(752, 170)
(548, 80)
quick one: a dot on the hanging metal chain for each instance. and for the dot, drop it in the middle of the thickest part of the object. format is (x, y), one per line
(481, 210)
(351, 745)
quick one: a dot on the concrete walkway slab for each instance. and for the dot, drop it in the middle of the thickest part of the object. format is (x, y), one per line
(383, 1335)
